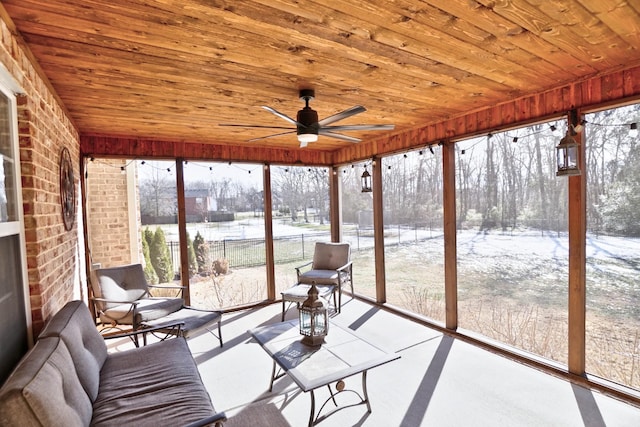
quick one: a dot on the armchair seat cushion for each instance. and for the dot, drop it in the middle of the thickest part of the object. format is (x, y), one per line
(299, 293)
(321, 277)
(129, 395)
(148, 309)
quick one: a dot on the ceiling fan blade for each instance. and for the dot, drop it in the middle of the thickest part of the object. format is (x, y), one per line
(255, 126)
(330, 134)
(342, 115)
(271, 136)
(358, 127)
(282, 116)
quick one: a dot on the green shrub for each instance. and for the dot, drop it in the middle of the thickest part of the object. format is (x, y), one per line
(147, 235)
(191, 254)
(201, 250)
(161, 257)
(149, 271)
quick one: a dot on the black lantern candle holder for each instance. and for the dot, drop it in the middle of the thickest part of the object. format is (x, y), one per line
(567, 156)
(366, 181)
(314, 322)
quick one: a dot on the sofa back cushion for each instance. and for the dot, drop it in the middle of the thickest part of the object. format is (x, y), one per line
(74, 325)
(329, 256)
(44, 390)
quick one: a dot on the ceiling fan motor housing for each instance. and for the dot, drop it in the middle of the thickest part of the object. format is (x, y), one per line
(307, 116)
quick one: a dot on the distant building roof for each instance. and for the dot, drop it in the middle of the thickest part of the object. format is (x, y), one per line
(196, 192)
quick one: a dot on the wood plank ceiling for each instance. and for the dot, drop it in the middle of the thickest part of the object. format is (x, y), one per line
(175, 70)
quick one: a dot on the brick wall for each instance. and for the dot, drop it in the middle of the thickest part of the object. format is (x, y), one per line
(44, 129)
(107, 212)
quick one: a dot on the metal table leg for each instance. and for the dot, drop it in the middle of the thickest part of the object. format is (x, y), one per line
(364, 399)
(364, 390)
(313, 408)
(273, 376)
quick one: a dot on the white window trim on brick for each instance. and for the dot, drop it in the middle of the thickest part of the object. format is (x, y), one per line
(10, 89)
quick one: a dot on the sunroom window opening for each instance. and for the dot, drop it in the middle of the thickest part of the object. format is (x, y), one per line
(300, 202)
(412, 191)
(224, 213)
(612, 166)
(357, 223)
(512, 241)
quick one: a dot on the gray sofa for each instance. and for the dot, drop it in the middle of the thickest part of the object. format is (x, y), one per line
(69, 379)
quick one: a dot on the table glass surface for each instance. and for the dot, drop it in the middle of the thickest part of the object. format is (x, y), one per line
(343, 354)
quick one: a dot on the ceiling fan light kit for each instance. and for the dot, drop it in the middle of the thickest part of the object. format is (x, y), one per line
(308, 127)
(306, 138)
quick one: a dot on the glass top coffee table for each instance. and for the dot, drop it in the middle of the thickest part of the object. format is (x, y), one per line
(343, 354)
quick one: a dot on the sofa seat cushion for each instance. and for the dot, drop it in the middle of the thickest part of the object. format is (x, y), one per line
(157, 382)
(44, 390)
(148, 309)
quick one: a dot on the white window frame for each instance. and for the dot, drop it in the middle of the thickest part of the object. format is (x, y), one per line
(10, 89)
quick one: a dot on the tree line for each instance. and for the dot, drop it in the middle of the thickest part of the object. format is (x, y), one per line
(508, 179)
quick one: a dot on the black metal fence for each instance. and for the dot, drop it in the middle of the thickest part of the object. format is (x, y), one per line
(242, 253)
(251, 252)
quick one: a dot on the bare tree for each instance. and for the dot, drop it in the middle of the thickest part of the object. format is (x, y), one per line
(319, 189)
(290, 186)
(157, 193)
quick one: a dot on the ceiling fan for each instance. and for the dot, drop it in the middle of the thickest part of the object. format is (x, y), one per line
(308, 127)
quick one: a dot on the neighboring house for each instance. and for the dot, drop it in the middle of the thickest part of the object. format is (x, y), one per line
(198, 203)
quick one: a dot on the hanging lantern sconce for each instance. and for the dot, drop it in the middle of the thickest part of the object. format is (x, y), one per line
(366, 181)
(567, 156)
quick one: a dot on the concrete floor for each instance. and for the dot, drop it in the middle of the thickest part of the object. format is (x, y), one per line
(438, 381)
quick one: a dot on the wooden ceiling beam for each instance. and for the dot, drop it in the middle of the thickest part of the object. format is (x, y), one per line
(133, 148)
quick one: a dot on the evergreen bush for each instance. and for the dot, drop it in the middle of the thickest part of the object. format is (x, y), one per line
(191, 254)
(161, 257)
(201, 250)
(147, 235)
(149, 271)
